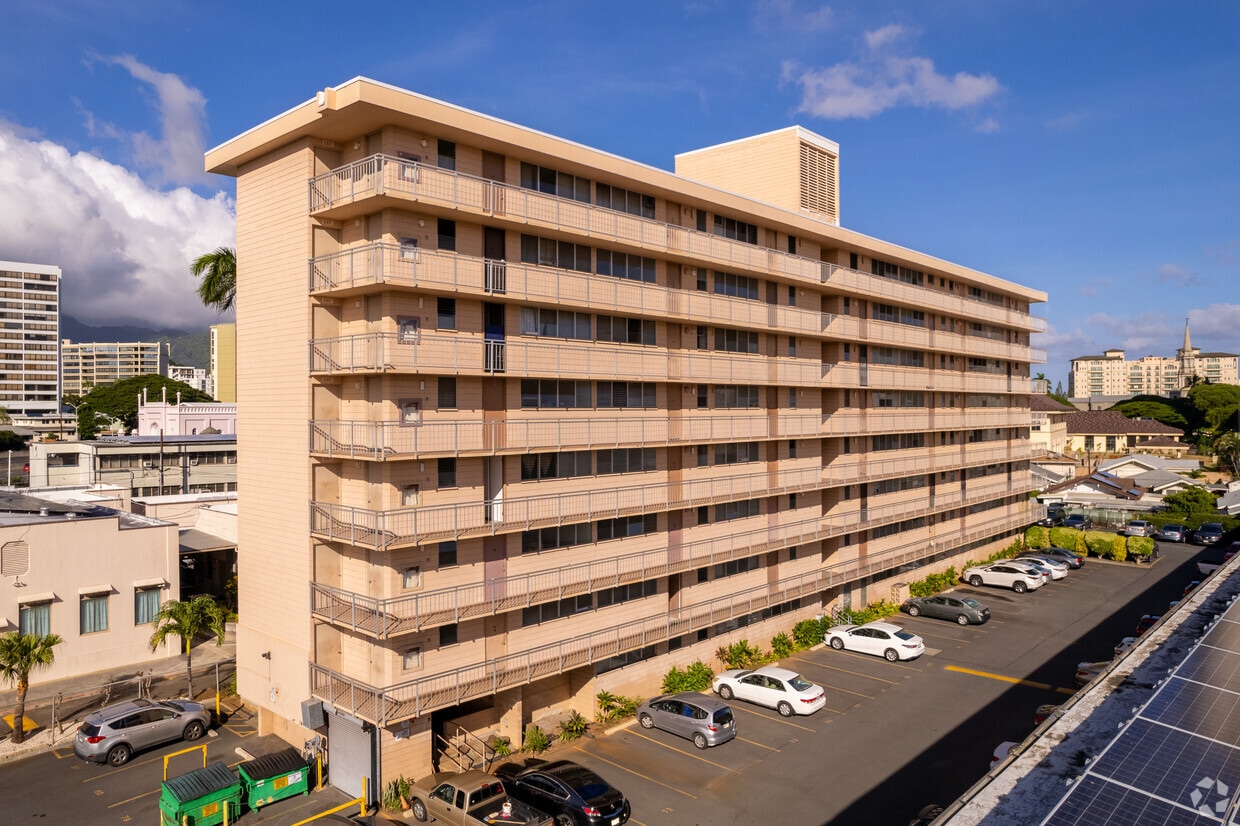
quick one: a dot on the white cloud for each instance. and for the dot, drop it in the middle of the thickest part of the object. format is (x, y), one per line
(883, 81)
(988, 126)
(1178, 276)
(786, 14)
(175, 157)
(124, 246)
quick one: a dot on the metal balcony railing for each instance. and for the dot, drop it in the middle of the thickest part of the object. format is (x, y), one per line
(851, 468)
(382, 175)
(855, 422)
(384, 440)
(384, 529)
(390, 704)
(888, 377)
(388, 617)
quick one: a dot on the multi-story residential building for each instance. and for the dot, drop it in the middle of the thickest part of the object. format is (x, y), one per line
(1110, 374)
(30, 339)
(145, 465)
(195, 377)
(224, 362)
(91, 364)
(561, 420)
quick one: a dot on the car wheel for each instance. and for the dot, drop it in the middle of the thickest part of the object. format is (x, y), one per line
(975, 581)
(784, 709)
(193, 731)
(890, 655)
(118, 755)
(962, 620)
(564, 820)
(699, 740)
(419, 810)
(837, 643)
(646, 720)
(1019, 587)
(725, 692)
(914, 611)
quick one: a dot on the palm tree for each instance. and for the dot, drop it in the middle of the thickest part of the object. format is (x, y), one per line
(1227, 448)
(19, 655)
(187, 620)
(218, 271)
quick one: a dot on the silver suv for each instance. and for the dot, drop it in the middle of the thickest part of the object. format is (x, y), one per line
(111, 735)
(705, 720)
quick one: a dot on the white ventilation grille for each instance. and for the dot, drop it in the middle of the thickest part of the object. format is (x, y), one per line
(819, 182)
(14, 558)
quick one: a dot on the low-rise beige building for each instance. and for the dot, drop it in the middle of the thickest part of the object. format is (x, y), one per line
(144, 465)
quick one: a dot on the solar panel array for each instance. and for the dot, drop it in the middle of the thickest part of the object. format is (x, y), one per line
(1178, 761)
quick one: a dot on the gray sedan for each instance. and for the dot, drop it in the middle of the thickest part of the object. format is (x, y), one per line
(962, 610)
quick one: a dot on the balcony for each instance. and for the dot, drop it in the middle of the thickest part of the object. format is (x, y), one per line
(386, 529)
(849, 468)
(390, 704)
(397, 440)
(855, 422)
(887, 377)
(386, 618)
(465, 354)
(381, 181)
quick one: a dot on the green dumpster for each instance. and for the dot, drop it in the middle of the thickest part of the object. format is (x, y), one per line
(202, 797)
(274, 777)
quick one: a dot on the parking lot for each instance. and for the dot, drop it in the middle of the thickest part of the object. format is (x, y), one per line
(894, 736)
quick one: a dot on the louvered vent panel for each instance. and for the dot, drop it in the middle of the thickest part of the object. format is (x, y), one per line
(819, 187)
(14, 558)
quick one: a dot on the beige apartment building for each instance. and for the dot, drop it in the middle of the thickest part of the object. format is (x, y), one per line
(30, 339)
(224, 362)
(552, 421)
(85, 365)
(1111, 374)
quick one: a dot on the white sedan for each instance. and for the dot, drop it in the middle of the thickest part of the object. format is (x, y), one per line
(882, 639)
(785, 691)
(1017, 577)
(1056, 570)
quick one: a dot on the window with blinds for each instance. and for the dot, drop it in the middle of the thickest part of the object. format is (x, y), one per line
(14, 558)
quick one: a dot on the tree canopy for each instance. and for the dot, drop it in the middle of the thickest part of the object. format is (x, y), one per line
(1159, 411)
(218, 271)
(1217, 404)
(119, 402)
(1194, 500)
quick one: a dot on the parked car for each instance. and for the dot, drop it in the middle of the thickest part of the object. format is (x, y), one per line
(1079, 521)
(1044, 711)
(1033, 566)
(1138, 527)
(1054, 516)
(1123, 645)
(1147, 622)
(1073, 559)
(1170, 533)
(962, 610)
(113, 734)
(1002, 751)
(1086, 672)
(785, 691)
(468, 798)
(1208, 534)
(882, 639)
(1190, 587)
(1058, 569)
(705, 720)
(570, 793)
(1004, 574)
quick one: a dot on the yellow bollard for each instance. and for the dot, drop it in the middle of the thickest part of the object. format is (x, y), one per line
(361, 804)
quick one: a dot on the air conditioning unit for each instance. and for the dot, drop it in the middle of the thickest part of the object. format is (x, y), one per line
(147, 464)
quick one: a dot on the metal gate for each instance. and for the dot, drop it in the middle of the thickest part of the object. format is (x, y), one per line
(349, 754)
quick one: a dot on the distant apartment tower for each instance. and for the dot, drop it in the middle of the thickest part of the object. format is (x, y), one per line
(1110, 374)
(546, 415)
(224, 362)
(86, 365)
(195, 377)
(30, 339)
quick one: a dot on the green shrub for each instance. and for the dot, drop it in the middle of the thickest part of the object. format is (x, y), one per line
(1100, 544)
(1068, 538)
(697, 677)
(1035, 537)
(628, 706)
(1142, 546)
(808, 632)
(395, 791)
(536, 740)
(1118, 553)
(574, 726)
(739, 655)
(500, 746)
(781, 646)
(934, 583)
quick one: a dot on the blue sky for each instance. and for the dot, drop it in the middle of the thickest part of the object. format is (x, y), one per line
(1082, 148)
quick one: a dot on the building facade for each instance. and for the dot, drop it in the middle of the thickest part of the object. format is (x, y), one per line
(560, 420)
(178, 418)
(195, 377)
(143, 465)
(1110, 374)
(91, 364)
(29, 342)
(224, 362)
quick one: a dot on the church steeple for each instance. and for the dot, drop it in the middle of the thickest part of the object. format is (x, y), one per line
(1188, 345)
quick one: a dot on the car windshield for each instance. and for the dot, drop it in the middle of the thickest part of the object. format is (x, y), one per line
(800, 683)
(904, 635)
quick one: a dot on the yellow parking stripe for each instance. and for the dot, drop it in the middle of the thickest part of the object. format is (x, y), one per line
(130, 800)
(686, 753)
(1000, 677)
(755, 743)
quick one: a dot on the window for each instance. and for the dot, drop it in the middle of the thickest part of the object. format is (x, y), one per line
(408, 248)
(626, 394)
(410, 496)
(702, 396)
(737, 510)
(737, 453)
(703, 337)
(792, 345)
(94, 613)
(411, 411)
(621, 200)
(703, 455)
(625, 330)
(550, 394)
(792, 448)
(446, 310)
(792, 245)
(740, 286)
(559, 536)
(548, 611)
(35, 618)
(792, 552)
(411, 659)
(407, 330)
(448, 635)
(447, 154)
(896, 272)
(549, 252)
(736, 341)
(624, 593)
(447, 554)
(701, 279)
(792, 397)
(627, 526)
(447, 234)
(736, 395)
(446, 386)
(145, 605)
(627, 460)
(736, 566)
(559, 184)
(447, 472)
(622, 265)
(536, 466)
(792, 501)
(411, 577)
(736, 230)
(555, 323)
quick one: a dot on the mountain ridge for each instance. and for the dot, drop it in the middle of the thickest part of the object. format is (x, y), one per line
(187, 348)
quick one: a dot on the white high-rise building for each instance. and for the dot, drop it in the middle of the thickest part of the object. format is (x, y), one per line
(30, 338)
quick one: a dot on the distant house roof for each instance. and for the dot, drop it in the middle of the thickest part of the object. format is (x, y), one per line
(1045, 404)
(1114, 423)
(1149, 461)
(1101, 484)
(1229, 502)
(1162, 481)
